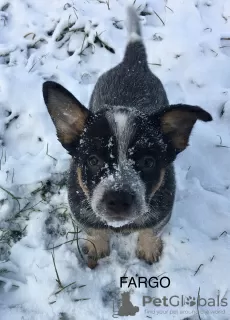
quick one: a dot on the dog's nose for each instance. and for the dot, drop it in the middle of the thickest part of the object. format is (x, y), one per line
(118, 201)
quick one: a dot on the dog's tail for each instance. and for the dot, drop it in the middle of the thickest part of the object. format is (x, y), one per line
(135, 51)
(133, 24)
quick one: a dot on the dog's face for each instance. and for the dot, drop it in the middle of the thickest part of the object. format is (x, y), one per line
(120, 162)
(120, 154)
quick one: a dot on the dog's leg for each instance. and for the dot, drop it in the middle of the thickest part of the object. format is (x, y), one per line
(96, 246)
(149, 246)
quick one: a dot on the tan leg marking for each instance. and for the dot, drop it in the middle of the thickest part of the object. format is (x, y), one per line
(149, 246)
(81, 184)
(96, 246)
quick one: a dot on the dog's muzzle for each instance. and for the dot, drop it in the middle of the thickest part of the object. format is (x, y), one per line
(119, 197)
(118, 203)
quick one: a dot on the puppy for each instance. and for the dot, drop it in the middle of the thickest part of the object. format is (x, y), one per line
(122, 177)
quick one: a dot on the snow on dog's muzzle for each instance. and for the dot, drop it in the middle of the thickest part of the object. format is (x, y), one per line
(119, 197)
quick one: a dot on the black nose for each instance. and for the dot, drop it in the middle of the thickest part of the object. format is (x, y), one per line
(118, 201)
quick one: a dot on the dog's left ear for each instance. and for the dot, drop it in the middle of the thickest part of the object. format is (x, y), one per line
(68, 114)
(177, 122)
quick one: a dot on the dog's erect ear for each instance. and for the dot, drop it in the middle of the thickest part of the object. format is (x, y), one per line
(68, 114)
(177, 122)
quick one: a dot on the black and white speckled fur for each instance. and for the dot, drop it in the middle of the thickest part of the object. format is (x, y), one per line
(131, 85)
(128, 124)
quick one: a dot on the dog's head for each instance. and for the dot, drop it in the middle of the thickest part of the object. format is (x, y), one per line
(120, 154)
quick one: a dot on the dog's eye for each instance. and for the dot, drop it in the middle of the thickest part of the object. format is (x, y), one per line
(93, 161)
(147, 162)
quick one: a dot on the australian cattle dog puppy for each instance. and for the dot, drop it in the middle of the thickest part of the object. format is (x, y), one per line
(122, 147)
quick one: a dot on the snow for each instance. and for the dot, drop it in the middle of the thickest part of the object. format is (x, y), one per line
(187, 44)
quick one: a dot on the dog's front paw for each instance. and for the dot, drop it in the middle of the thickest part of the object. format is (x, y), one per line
(96, 247)
(149, 247)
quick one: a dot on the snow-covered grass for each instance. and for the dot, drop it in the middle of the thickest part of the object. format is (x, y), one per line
(73, 43)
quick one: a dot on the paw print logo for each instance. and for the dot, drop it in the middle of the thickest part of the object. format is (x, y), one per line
(190, 301)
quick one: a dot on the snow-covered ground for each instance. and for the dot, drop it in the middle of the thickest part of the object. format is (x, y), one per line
(188, 45)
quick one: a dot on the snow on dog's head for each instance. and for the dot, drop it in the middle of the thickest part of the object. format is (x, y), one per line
(120, 155)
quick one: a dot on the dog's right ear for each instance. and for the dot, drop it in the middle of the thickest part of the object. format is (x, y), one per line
(177, 122)
(68, 114)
